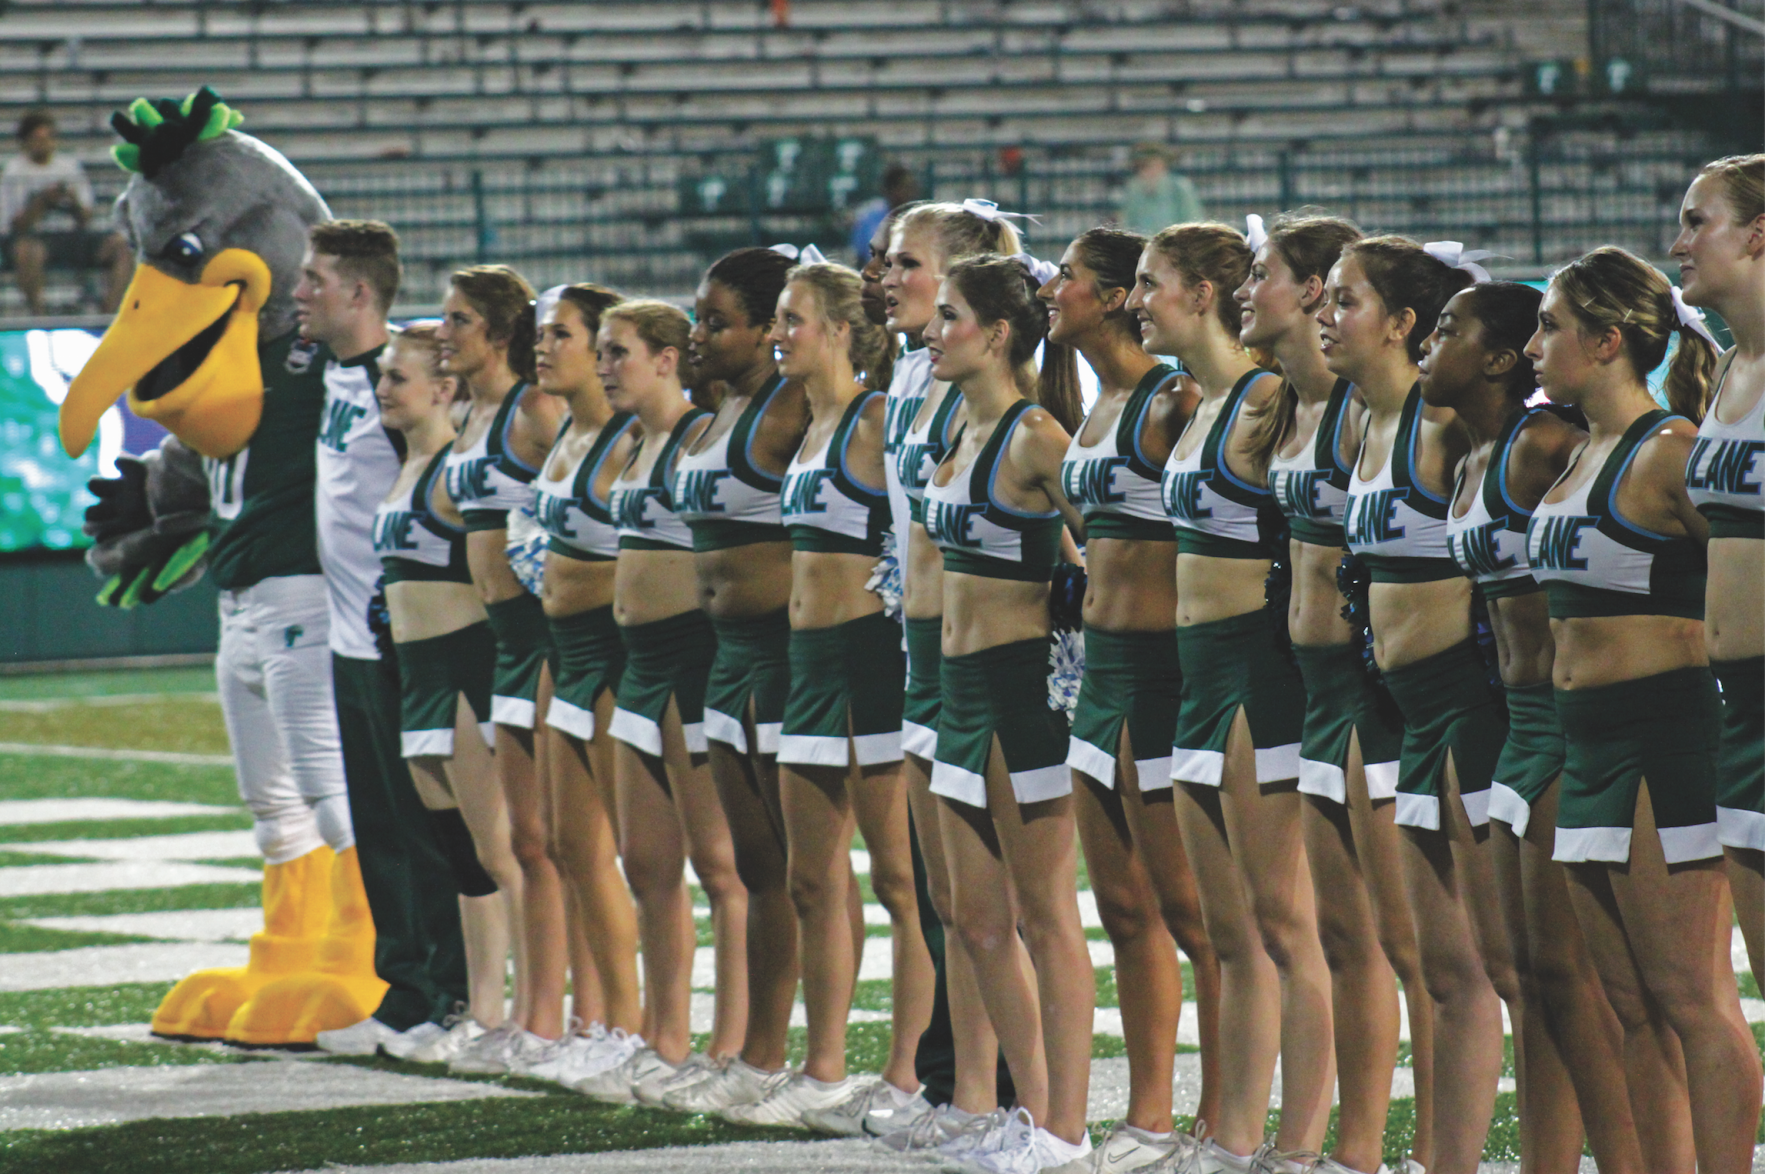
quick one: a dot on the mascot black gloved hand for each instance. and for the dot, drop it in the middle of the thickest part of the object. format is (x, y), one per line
(205, 344)
(151, 526)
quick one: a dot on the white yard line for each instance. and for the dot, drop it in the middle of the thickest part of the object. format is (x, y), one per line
(29, 880)
(170, 757)
(109, 965)
(183, 925)
(29, 811)
(230, 845)
(51, 704)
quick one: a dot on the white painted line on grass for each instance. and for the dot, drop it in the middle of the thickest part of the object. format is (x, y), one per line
(170, 757)
(30, 880)
(26, 811)
(51, 704)
(70, 1100)
(183, 925)
(229, 845)
(110, 965)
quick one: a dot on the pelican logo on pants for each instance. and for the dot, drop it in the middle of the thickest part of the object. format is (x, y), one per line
(292, 633)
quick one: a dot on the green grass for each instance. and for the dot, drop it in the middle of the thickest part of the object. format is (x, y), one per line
(122, 829)
(40, 777)
(28, 1052)
(245, 895)
(26, 859)
(1749, 986)
(189, 726)
(129, 1002)
(110, 683)
(26, 939)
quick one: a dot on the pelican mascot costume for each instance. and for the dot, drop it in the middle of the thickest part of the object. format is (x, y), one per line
(205, 343)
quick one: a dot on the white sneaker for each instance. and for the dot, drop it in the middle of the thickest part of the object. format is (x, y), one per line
(979, 1135)
(888, 1113)
(401, 1046)
(696, 1068)
(1023, 1147)
(461, 1032)
(1124, 1148)
(786, 1103)
(531, 1052)
(1208, 1158)
(615, 1086)
(737, 1083)
(924, 1136)
(358, 1039)
(606, 1051)
(1332, 1166)
(549, 1065)
(846, 1119)
(489, 1053)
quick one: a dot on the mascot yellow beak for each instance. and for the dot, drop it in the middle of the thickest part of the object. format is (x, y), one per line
(185, 353)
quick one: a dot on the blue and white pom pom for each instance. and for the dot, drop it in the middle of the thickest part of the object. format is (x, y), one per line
(1066, 668)
(526, 546)
(885, 579)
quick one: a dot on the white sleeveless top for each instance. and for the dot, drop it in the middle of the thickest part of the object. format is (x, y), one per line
(1390, 520)
(1120, 492)
(580, 525)
(1726, 473)
(1311, 486)
(488, 480)
(643, 510)
(1214, 512)
(827, 509)
(907, 390)
(720, 492)
(1489, 541)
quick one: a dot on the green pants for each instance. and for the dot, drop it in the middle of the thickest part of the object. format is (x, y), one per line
(418, 950)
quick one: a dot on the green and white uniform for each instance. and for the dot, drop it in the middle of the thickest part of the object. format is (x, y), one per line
(667, 658)
(1002, 690)
(918, 453)
(588, 657)
(1488, 542)
(486, 482)
(1131, 678)
(358, 460)
(1239, 662)
(1665, 728)
(1726, 480)
(1399, 530)
(1310, 489)
(846, 681)
(728, 501)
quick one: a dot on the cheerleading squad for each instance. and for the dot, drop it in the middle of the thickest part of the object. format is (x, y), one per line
(1408, 692)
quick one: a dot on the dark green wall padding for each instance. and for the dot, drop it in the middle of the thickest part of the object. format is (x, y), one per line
(49, 614)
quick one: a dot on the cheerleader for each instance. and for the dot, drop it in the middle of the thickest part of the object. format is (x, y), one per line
(726, 484)
(445, 656)
(1349, 744)
(571, 506)
(667, 804)
(1569, 1046)
(1383, 298)
(1126, 716)
(1619, 548)
(924, 415)
(486, 338)
(1721, 255)
(994, 507)
(1236, 749)
(839, 749)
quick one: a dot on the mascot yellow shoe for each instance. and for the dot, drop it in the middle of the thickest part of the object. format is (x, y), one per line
(297, 907)
(339, 988)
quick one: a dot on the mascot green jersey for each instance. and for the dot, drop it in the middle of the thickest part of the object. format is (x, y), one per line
(205, 344)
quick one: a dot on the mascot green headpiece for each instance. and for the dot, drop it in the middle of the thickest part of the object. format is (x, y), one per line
(219, 222)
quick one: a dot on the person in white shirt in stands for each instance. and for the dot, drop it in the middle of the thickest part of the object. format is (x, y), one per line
(46, 213)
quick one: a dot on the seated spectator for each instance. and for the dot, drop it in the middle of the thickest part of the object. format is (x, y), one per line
(1154, 197)
(46, 210)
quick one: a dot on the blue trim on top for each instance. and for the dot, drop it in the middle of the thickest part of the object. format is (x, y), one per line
(993, 476)
(595, 472)
(1223, 464)
(1612, 494)
(1415, 439)
(508, 453)
(857, 410)
(1501, 476)
(1336, 434)
(759, 414)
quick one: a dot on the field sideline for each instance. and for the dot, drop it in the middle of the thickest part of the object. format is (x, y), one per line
(126, 861)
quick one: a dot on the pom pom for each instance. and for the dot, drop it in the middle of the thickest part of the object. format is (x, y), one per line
(1066, 670)
(526, 547)
(885, 579)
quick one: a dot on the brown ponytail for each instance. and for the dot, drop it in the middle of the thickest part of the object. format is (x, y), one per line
(504, 300)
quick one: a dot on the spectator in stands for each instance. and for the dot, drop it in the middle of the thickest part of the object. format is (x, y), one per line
(899, 186)
(1155, 197)
(46, 208)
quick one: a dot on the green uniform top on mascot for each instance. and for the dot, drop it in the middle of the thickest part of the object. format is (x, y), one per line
(205, 344)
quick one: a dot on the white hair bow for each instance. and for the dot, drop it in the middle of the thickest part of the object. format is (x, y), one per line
(988, 210)
(1042, 271)
(807, 255)
(1455, 255)
(1255, 235)
(1692, 318)
(546, 302)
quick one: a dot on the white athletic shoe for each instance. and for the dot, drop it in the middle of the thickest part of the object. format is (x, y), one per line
(489, 1053)
(786, 1103)
(358, 1039)
(979, 1135)
(697, 1067)
(1026, 1148)
(534, 1056)
(924, 1136)
(1124, 1148)
(462, 1031)
(1208, 1158)
(405, 1043)
(846, 1119)
(736, 1083)
(616, 1086)
(1332, 1166)
(892, 1111)
(606, 1051)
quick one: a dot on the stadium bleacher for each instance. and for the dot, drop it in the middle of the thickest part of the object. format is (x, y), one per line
(559, 135)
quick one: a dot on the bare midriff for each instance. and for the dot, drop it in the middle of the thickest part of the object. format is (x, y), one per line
(1314, 607)
(1608, 650)
(922, 576)
(744, 581)
(1523, 643)
(574, 585)
(1734, 608)
(651, 585)
(488, 557)
(1210, 588)
(827, 589)
(1131, 585)
(424, 609)
(1413, 621)
(982, 612)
